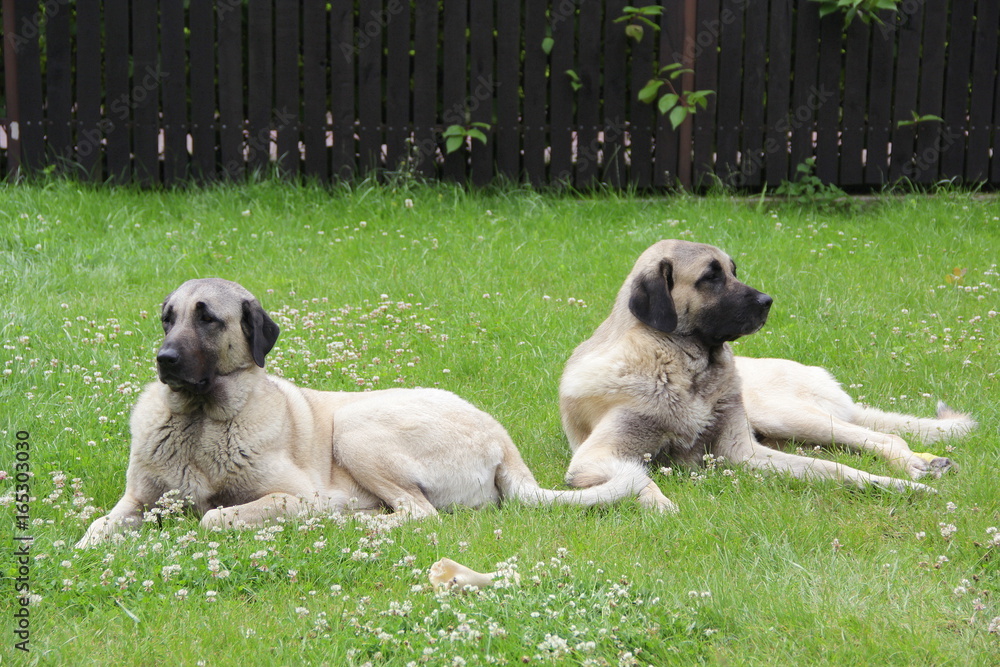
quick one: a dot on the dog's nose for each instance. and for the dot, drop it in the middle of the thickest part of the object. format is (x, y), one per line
(764, 300)
(167, 356)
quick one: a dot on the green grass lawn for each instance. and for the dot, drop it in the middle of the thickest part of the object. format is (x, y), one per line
(487, 294)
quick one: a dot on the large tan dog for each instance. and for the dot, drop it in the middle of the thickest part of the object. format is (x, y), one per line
(243, 446)
(658, 382)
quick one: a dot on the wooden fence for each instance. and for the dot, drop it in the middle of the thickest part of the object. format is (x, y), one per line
(164, 91)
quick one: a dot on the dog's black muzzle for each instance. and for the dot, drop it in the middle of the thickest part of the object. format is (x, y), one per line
(182, 372)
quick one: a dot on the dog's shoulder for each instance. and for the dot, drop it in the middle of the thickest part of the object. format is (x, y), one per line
(634, 355)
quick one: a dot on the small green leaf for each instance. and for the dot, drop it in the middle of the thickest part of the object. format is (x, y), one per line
(478, 134)
(668, 102)
(648, 92)
(649, 23)
(677, 116)
(454, 131)
(634, 31)
(547, 45)
(454, 143)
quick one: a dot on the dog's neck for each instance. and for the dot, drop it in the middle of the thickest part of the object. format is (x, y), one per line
(227, 398)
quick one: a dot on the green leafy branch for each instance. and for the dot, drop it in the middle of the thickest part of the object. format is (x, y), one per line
(455, 135)
(866, 10)
(635, 17)
(675, 104)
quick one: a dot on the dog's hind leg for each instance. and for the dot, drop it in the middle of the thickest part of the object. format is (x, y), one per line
(816, 427)
(947, 424)
(738, 445)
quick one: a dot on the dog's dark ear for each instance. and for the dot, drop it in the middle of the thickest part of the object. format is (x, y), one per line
(260, 330)
(651, 302)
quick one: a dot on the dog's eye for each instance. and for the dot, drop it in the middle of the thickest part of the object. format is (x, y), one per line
(207, 319)
(713, 276)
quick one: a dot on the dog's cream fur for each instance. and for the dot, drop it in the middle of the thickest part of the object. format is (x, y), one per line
(243, 446)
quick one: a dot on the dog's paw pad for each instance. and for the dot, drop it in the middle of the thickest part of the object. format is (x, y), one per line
(937, 465)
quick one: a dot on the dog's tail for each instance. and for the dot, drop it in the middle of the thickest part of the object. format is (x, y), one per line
(948, 424)
(627, 478)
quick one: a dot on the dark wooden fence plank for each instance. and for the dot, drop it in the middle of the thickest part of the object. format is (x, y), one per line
(117, 100)
(314, 82)
(397, 89)
(203, 130)
(287, 86)
(231, 111)
(535, 92)
(856, 73)
(754, 64)
(779, 90)
(260, 84)
(615, 119)
(29, 83)
(343, 60)
(370, 36)
(828, 114)
(88, 89)
(58, 85)
(995, 162)
(956, 90)
(642, 119)
(561, 122)
(905, 97)
(145, 91)
(481, 87)
(984, 58)
(706, 77)
(880, 100)
(588, 97)
(425, 87)
(671, 50)
(805, 94)
(454, 88)
(508, 73)
(175, 91)
(730, 76)
(932, 63)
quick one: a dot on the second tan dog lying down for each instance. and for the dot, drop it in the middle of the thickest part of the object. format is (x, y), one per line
(244, 446)
(658, 381)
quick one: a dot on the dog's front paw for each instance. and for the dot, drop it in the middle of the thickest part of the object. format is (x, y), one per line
(218, 518)
(653, 499)
(98, 531)
(930, 464)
